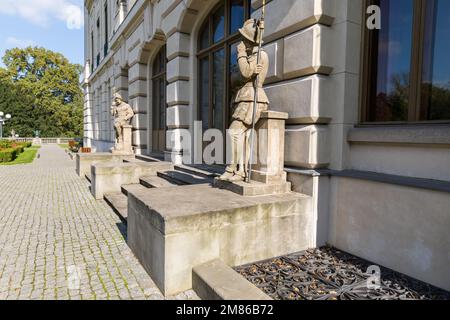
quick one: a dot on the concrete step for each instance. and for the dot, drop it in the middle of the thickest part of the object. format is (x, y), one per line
(133, 161)
(150, 158)
(156, 182)
(199, 170)
(125, 187)
(184, 178)
(119, 203)
(217, 281)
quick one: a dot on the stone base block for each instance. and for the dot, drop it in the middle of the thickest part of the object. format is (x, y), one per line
(86, 160)
(254, 188)
(121, 152)
(172, 232)
(215, 280)
(109, 177)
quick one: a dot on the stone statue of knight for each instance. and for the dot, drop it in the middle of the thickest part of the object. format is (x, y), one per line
(243, 104)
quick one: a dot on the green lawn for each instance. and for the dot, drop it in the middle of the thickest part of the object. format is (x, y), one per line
(26, 157)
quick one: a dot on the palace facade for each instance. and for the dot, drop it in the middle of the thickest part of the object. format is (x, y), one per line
(368, 134)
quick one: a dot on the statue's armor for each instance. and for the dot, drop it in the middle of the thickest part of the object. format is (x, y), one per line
(123, 114)
(245, 96)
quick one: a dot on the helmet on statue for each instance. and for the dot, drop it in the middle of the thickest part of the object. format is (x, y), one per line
(248, 31)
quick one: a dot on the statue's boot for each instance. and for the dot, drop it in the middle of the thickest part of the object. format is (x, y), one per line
(227, 176)
(238, 176)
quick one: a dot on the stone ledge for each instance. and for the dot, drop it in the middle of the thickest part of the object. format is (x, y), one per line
(420, 183)
(217, 281)
(436, 135)
(435, 185)
(86, 160)
(205, 207)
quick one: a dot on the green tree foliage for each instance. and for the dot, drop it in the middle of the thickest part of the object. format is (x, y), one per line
(41, 90)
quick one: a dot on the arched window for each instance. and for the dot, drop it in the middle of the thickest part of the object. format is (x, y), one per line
(159, 101)
(217, 59)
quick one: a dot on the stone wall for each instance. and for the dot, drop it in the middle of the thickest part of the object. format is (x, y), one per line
(402, 228)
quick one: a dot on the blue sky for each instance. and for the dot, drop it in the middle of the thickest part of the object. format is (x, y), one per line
(54, 24)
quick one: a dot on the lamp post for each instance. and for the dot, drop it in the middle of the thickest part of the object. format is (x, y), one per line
(2, 121)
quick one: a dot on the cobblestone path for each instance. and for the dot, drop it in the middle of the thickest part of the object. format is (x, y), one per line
(57, 242)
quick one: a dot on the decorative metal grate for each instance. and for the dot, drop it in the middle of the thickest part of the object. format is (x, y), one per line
(330, 274)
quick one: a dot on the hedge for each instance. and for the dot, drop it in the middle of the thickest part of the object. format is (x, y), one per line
(8, 155)
(9, 150)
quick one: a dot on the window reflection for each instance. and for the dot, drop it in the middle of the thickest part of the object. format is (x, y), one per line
(237, 15)
(219, 24)
(436, 64)
(218, 61)
(204, 92)
(393, 62)
(219, 88)
(204, 37)
(159, 101)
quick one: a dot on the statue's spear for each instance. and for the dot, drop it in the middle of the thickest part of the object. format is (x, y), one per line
(259, 37)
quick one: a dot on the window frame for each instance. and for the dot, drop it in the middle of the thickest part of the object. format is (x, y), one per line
(225, 43)
(158, 76)
(416, 68)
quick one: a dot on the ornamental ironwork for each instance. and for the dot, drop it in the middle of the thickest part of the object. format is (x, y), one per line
(330, 274)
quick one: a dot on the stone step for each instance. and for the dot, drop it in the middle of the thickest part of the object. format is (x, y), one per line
(125, 188)
(184, 178)
(150, 158)
(156, 182)
(217, 281)
(199, 170)
(133, 161)
(119, 203)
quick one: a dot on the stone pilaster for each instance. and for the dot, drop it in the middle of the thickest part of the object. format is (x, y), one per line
(178, 94)
(137, 98)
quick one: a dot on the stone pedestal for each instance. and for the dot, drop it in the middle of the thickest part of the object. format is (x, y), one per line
(268, 175)
(269, 151)
(171, 231)
(126, 146)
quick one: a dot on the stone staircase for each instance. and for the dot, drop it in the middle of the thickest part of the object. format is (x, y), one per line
(182, 175)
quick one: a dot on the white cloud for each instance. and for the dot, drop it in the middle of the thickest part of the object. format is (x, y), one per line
(13, 42)
(41, 12)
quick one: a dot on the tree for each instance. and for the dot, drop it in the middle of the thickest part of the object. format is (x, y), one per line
(45, 92)
(15, 100)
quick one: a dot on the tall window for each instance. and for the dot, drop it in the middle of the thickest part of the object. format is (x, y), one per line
(217, 59)
(406, 66)
(105, 47)
(92, 52)
(159, 101)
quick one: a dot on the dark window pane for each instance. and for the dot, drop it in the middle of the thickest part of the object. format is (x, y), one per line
(435, 103)
(219, 88)
(219, 24)
(391, 63)
(204, 92)
(237, 15)
(204, 37)
(162, 106)
(156, 103)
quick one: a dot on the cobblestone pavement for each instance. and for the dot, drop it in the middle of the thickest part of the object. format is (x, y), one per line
(57, 242)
